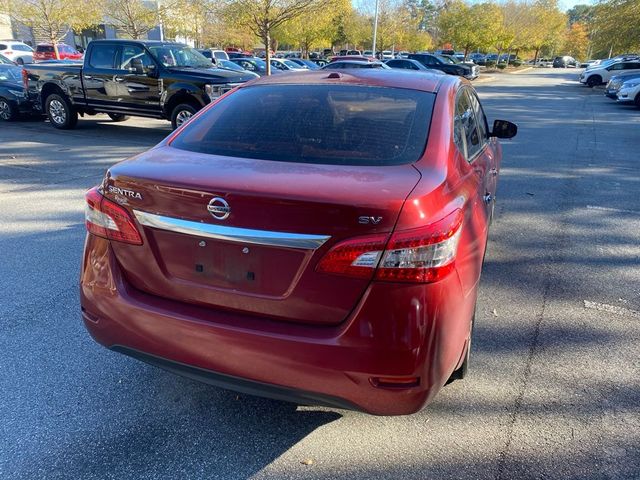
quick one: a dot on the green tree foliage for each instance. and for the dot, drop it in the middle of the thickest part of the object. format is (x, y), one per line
(581, 14)
(616, 27)
(306, 35)
(263, 17)
(133, 18)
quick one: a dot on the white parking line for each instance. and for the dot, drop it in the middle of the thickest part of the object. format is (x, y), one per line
(603, 307)
(609, 209)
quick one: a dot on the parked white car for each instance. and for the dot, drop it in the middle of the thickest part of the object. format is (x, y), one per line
(630, 92)
(602, 73)
(283, 64)
(15, 51)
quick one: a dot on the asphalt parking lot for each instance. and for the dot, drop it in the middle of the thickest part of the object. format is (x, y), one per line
(554, 390)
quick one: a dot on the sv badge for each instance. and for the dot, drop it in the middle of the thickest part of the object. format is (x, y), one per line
(369, 220)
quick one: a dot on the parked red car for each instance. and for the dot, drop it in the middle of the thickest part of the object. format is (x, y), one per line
(311, 237)
(45, 51)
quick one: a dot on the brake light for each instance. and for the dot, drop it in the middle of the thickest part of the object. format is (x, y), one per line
(8, 52)
(357, 257)
(420, 255)
(109, 220)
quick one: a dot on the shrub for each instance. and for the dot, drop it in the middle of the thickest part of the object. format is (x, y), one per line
(490, 63)
(517, 63)
(502, 65)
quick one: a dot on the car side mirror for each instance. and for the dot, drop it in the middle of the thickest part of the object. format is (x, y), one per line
(504, 129)
(136, 66)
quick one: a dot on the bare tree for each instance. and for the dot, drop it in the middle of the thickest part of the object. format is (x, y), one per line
(262, 17)
(135, 18)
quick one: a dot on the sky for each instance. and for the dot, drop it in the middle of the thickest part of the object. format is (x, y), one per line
(567, 4)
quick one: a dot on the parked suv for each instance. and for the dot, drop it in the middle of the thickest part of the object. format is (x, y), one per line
(45, 51)
(446, 64)
(565, 62)
(15, 51)
(630, 92)
(603, 72)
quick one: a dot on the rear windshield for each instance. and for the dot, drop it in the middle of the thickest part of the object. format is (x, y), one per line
(323, 124)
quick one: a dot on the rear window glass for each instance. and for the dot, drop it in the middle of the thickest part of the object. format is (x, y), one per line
(324, 124)
(21, 48)
(44, 48)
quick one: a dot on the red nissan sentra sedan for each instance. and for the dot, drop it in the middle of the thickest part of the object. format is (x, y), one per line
(312, 237)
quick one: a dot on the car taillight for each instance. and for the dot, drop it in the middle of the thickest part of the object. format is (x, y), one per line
(109, 220)
(356, 257)
(421, 255)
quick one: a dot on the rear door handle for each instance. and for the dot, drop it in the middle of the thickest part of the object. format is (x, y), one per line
(119, 79)
(87, 77)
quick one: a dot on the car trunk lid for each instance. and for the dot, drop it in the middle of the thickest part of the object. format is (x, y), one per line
(260, 258)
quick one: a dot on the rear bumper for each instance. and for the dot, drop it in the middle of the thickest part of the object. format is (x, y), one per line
(395, 330)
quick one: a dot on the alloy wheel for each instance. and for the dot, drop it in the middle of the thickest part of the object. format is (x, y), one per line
(182, 117)
(5, 110)
(57, 111)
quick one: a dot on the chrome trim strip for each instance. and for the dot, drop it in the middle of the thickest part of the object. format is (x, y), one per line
(231, 234)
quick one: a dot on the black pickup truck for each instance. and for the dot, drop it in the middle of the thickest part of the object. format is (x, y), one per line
(446, 64)
(130, 77)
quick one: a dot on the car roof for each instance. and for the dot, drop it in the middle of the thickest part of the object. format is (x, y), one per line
(423, 81)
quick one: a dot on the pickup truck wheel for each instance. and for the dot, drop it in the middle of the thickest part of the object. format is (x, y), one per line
(60, 112)
(594, 80)
(181, 113)
(7, 111)
(118, 117)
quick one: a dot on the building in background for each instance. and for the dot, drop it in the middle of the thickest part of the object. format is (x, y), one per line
(11, 30)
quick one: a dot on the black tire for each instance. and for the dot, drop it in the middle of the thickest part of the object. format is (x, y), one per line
(20, 61)
(8, 111)
(461, 372)
(118, 117)
(181, 113)
(61, 113)
(594, 80)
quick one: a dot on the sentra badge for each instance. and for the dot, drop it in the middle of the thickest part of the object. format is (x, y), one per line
(124, 192)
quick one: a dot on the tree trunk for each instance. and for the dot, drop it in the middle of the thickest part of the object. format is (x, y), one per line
(266, 38)
(535, 57)
(54, 43)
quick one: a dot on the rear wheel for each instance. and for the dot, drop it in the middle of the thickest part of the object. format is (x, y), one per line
(118, 117)
(594, 80)
(181, 114)
(60, 112)
(7, 110)
(20, 61)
